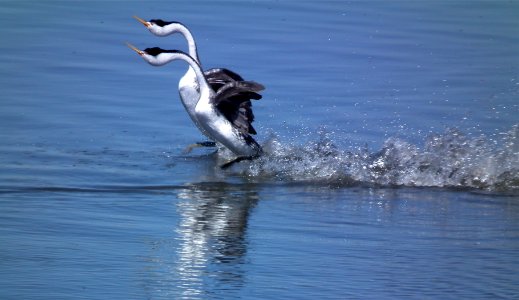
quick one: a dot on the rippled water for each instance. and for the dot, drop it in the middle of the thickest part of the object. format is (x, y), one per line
(391, 168)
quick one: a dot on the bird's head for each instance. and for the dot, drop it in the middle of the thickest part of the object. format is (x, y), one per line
(157, 26)
(158, 57)
(154, 56)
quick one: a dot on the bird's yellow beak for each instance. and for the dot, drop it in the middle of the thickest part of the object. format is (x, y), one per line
(147, 24)
(140, 52)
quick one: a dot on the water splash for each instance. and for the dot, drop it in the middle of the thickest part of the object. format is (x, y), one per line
(450, 159)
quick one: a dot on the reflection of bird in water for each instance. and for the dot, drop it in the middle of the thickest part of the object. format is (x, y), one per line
(219, 113)
(238, 109)
(212, 232)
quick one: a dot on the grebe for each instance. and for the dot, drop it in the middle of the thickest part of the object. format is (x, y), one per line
(213, 107)
(218, 77)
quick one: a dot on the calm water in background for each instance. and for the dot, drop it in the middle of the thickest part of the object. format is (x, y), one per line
(391, 168)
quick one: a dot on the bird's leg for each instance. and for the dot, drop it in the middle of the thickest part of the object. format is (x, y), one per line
(207, 144)
(190, 148)
(237, 160)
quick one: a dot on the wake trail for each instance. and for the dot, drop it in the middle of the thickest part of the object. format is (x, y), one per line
(449, 159)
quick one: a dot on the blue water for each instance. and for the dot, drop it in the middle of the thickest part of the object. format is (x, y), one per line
(391, 133)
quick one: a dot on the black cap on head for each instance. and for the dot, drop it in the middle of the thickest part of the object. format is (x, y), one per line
(160, 22)
(156, 51)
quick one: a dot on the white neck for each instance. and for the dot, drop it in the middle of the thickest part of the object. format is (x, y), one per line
(168, 57)
(178, 27)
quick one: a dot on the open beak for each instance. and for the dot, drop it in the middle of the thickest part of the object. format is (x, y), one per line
(147, 24)
(140, 52)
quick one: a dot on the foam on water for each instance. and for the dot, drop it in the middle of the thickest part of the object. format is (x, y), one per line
(450, 159)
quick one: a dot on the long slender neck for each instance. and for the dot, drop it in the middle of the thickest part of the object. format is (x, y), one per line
(171, 56)
(179, 27)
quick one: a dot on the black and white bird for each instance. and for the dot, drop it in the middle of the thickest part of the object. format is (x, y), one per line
(189, 86)
(218, 112)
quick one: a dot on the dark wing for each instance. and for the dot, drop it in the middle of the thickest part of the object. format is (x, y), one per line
(233, 98)
(218, 77)
(237, 88)
(233, 101)
(223, 72)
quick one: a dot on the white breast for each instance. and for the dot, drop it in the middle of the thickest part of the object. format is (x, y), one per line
(189, 95)
(220, 129)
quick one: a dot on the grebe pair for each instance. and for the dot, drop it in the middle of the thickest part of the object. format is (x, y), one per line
(217, 100)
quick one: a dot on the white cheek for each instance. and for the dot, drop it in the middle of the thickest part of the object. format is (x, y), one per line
(160, 31)
(152, 60)
(162, 59)
(156, 63)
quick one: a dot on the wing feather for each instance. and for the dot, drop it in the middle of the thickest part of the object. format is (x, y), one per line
(233, 101)
(233, 96)
(234, 88)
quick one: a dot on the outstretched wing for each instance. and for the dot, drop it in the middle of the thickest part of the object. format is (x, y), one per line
(218, 77)
(238, 88)
(233, 101)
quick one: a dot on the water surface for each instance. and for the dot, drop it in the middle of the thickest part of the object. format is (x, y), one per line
(391, 166)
